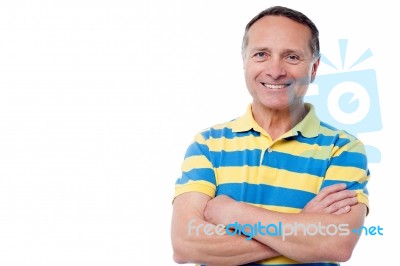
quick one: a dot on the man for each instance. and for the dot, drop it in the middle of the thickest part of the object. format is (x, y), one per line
(277, 165)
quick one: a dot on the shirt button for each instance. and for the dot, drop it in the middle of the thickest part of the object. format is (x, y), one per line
(269, 150)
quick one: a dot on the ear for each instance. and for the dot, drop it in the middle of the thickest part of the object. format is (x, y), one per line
(314, 70)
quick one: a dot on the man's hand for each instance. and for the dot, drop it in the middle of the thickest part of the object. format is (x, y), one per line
(334, 199)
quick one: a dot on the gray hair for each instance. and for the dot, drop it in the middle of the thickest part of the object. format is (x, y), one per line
(291, 14)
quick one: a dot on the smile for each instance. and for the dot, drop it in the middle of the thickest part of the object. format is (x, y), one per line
(275, 86)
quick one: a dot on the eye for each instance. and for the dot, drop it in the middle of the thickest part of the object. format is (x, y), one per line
(260, 56)
(292, 58)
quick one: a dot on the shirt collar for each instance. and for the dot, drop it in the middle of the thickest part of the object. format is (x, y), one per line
(308, 127)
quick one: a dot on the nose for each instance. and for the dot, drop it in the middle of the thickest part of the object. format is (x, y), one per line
(275, 68)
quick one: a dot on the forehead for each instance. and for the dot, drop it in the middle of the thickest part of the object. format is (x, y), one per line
(279, 31)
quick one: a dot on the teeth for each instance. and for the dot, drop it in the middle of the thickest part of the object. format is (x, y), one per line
(272, 86)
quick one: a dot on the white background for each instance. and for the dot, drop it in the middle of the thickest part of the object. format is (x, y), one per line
(99, 100)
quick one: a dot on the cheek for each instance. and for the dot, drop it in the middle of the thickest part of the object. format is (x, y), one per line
(251, 80)
(303, 76)
(247, 75)
(252, 72)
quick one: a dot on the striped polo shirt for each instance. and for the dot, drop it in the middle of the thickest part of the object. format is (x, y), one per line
(239, 159)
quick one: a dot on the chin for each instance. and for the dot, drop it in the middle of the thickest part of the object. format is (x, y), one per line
(275, 105)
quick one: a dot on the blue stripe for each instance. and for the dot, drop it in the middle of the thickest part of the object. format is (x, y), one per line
(295, 163)
(265, 194)
(227, 133)
(351, 185)
(323, 124)
(341, 142)
(354, 159)
(195, 149)
(322, 140)
(205, 174)
(235, 158)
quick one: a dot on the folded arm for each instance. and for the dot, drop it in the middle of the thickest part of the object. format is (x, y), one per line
(196, 241)
(199, 241)
(297, 245)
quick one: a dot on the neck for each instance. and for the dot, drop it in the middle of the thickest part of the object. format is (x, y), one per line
(277, 122)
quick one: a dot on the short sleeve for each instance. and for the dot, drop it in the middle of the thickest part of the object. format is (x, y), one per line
(349, 165)
(198, 174)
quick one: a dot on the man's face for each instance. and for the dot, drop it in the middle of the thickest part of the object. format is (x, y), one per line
(278, 63)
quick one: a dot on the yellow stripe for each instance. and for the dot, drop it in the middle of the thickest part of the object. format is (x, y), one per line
(236, 144)
(300, 181)
(269, 176)
(249, 174)
(346, 173)
(199, 139)
(331, 133)
(195, 186)
(198, 161)
(356, 147)
(363, 198)
(252, 143)
(278, 260)
(327, 132)
(306, 150)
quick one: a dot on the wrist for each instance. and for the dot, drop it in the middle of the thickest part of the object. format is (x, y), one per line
(235, 211)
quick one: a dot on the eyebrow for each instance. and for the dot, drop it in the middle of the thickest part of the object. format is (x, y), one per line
(265, 49)
(259, 49)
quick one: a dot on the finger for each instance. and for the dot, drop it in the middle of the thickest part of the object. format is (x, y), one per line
(341, 204)
(329, 190)
(335, 198)
(343, 210)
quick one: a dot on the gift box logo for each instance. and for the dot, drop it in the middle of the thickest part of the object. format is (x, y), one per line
(349, 99)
